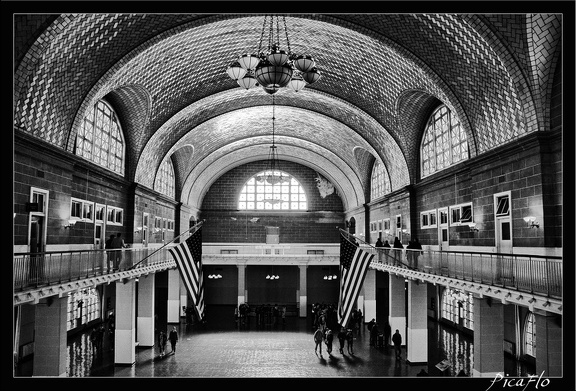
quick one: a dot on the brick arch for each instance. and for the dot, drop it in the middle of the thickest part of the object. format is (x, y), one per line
(181, 161)
(365, 161)
(329, 165)
(414, 109)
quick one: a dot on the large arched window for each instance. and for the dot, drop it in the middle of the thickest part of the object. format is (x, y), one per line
(259, 194)
(444, 142)
(458, 307)
(530, 336)
(380, 184)
(165, 179)
(100, 138)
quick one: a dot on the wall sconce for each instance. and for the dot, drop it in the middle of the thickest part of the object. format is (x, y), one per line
(215, 276)
(71, 224)
(272, 277)
(473, 227)
(531, 221)
(331, 277)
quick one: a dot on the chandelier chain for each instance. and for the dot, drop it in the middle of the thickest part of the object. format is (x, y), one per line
(287, 40)
(262, 34)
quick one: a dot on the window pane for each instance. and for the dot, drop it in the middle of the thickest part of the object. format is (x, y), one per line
(290, 193)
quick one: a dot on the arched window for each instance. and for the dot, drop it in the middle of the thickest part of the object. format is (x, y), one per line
(530, 335)
(380, 184)
(259, 194)
(458, 307)
(100, 138)
(444, 142)
(165, 183)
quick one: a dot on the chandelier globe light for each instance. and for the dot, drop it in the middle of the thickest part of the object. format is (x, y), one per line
(274, 68)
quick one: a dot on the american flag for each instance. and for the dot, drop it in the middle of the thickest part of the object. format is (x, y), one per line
(188, 257)
(354, 264)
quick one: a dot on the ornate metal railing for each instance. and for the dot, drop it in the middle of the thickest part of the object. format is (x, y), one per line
(527, 273)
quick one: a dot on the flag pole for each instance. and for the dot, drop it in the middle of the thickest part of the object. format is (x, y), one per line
(347, 235)
(195, 227)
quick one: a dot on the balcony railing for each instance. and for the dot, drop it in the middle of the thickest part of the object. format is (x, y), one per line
(527, 273)
(33, 270)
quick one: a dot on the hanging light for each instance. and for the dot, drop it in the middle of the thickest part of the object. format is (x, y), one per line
(274, 68)
(273, 174)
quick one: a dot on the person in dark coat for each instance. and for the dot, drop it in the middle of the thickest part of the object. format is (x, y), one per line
(374, 335)
(417, 252)
(397, 341)
(350, 341)
(110, 253)
(173, 337)
(387, 332)
(397, 252)
(342, 338)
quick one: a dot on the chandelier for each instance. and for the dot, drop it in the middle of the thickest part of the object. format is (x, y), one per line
(273, 174)
(274, 68)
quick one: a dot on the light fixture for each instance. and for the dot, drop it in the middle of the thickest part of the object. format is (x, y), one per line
(272, 277)
(473, 227)
(273, 174)
(274, 68)
(531, 221)
(71, 224)
(215, 276)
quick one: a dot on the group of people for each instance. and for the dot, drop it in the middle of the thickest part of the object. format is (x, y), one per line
(376, 332)
(345, 337)
(163, 339)
(96, 338)
(114, 256)
(412, 256)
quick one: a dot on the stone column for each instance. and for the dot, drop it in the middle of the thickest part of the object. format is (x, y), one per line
(146, 300)
(488, 337)
(241, 284)
(369, 288)
(548, 344)
(417, 338)
(50, 337)
(303, 299)
(125, 322)
(173, 315)
(397, 297)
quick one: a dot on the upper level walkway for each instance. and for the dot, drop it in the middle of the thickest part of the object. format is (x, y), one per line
(530, 280)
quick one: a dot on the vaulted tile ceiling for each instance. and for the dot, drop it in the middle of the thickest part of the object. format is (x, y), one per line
(165, 75)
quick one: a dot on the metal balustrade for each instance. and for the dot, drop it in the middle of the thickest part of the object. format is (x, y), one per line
(535, 274)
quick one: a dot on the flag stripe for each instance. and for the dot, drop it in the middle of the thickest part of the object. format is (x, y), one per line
(354, 263)
(188, 257)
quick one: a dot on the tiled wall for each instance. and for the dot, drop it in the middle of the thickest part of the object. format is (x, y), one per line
(225, 223)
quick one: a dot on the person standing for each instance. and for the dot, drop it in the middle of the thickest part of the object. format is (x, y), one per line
(162, 340)
(350, 341)
(118, 244)
(386, 247)
(397, 250)
(110, 255)
(379, 246)
(318, 337)
(374, 335)
(173, 337)
(397, 341)
(341, 339)
(328, 338)
(387, 332)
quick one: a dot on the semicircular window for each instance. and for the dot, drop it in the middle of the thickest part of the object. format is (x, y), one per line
(380, 184)
(272, 190)
(444, 142)
(100, 138)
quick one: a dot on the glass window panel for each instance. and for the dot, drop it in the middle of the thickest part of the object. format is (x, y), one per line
(286, 192)
(443, 142)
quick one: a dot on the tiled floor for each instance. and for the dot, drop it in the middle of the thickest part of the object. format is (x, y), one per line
(220, 350)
